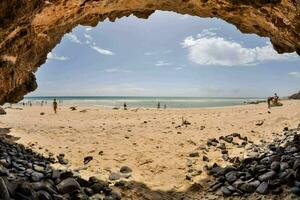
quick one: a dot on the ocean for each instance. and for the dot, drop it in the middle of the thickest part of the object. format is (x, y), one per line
(145, 102)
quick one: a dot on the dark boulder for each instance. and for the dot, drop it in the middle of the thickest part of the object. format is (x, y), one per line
(67, 186)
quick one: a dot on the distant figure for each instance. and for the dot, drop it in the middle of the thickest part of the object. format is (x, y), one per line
(55, 106)
(165, 106)
(276, 98)
(125, 106)
(30, 104)
(158, 105)
(23, 104)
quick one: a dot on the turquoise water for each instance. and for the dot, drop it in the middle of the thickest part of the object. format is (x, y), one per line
(146, 102)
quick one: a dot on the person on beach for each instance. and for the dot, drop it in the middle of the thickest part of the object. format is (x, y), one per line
(273, 99)
(165, 106)
(276, 98)
(125, 106)
(55, 106)
(158, 105)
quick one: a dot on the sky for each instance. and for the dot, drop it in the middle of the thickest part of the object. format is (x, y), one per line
(166, 55)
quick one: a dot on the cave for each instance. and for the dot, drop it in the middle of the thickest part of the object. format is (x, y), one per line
(30, 31)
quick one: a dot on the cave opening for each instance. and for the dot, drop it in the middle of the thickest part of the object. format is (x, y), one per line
(177, 60)
(168, 55)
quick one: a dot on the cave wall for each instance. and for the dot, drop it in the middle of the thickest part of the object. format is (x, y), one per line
(30, 29)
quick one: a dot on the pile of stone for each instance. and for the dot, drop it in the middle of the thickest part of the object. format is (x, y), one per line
(26, 175)
(295, 96)
(234, 139)
(268, 172)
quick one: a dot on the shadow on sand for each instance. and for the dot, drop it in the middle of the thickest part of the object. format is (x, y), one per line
(4, 135)
(198, 191)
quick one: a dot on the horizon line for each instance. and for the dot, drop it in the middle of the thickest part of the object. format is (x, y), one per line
(68, 96)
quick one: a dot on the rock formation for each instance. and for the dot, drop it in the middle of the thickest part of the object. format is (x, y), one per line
(29, 30)
(295, 96)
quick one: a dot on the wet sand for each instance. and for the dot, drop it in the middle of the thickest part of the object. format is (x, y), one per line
(153, 143)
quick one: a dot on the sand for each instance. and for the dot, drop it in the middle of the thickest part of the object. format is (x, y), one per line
(148, 141)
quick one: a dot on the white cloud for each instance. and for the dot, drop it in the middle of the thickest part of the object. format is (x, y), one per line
(88, 37)
(209, 49)
(52, 56)
(103, 51)
(116, 70)
(73, 38)
(88, 29)
(94, 46)
(162, 63)
(294, 74)
(207, 32)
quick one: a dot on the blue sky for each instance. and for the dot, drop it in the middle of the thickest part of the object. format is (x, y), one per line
(166, 55)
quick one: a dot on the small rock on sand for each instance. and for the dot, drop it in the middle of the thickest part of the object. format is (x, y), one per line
(259, 123)
(87, 159)
(73, 108)
(205, 158)
(125, 170)
(114, 176)
(194, 154)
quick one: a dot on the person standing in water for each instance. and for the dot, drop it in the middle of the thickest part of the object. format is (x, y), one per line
(165, 106)
(158, 105)
(55, 106)
(125, 106)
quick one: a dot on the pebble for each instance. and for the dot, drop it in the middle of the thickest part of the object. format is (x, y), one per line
(194, 154)
(68, 185)
(27, 175)
(125, 169)
(114, 176)
(267, 176)
(87, 159)
(205, 158)
(269, 168)
(231, 176)
(263, 188)
(225, 191)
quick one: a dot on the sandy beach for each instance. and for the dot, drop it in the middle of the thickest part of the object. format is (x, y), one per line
(153, 143)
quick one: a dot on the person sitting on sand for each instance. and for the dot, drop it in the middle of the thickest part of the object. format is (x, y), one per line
(55, 106)
(273, 99)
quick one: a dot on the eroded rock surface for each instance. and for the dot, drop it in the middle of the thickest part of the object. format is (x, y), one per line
(295, 96)
(29, 30)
